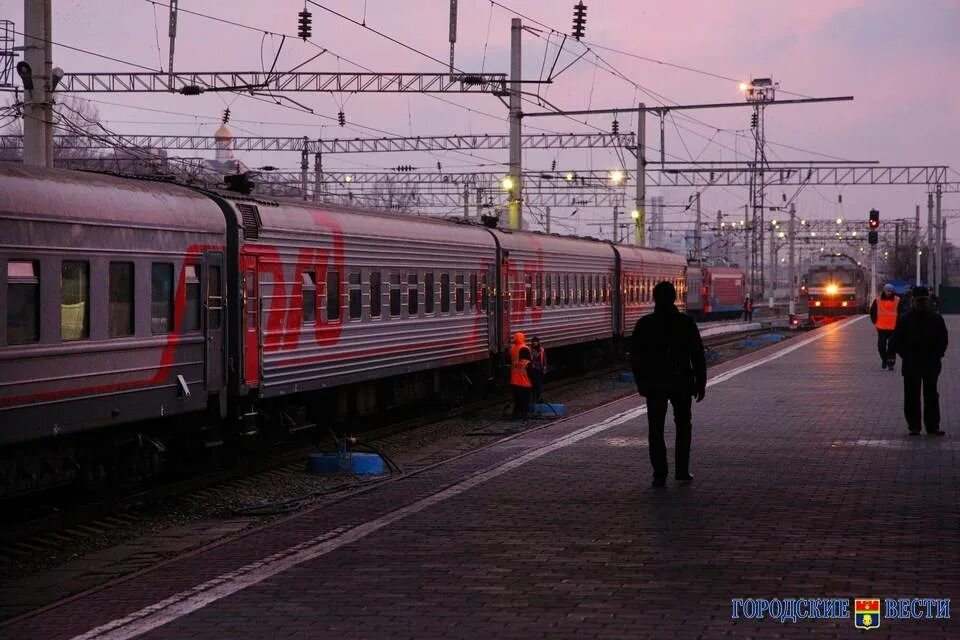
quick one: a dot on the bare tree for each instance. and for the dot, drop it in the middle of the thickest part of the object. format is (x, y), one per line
(71, 116)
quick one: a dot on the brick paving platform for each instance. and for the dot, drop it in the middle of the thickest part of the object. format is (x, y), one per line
(807, 486)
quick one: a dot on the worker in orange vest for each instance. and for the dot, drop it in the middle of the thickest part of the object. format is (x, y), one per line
(883, 314)
(520, 376)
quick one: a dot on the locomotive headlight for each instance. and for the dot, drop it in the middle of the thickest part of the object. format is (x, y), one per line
(832, 289)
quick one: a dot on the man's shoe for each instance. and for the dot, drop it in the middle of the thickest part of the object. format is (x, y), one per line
(659, 482)
(938, 432)
(914, 432)
(684, 477)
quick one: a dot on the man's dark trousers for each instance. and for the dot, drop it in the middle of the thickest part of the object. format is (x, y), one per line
(884, 337)
(931, 400)
(656, 416)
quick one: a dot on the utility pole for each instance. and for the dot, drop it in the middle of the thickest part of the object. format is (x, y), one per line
(453, 33)
(173, 37)
(304, 167)
(917, 247)
(466, 201)
(747, 256)
(616, 225)
(38, 112)
(516, 167)
(640, 204)
(773, 263)
(930, 247)
(792, 275)
(697, 240)
(547, 220)
(939, 281)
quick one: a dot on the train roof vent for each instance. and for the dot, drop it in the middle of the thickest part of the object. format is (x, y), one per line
(251, 221)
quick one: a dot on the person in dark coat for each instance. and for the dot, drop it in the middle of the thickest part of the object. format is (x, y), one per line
(669, 366)
(921, 341)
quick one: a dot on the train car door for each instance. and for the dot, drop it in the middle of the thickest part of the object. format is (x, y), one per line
(213, 308)
(490, 294)
(251, 321)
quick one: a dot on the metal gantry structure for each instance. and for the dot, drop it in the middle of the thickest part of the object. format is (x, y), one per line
(195, 83)
(334, 146)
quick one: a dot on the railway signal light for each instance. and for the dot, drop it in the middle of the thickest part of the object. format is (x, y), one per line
(579, 19)
(873, 224)
(304, 30)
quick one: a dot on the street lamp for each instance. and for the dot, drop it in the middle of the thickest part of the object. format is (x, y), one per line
(616, 176)
(507, 183)
(759, 90)
(635, 214)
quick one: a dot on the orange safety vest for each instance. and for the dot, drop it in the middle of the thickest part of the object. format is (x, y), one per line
(887, 313)
(518, 373)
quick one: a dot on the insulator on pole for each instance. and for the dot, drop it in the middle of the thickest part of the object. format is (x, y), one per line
(579, 20)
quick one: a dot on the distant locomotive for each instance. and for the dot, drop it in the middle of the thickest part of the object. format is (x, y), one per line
(715, 292)
(136, 311)
(834, 286)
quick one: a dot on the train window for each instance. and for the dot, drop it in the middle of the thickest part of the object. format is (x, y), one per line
(75, 300)
(549, 292)
(214, 297)
(597, 288)
(483, 291)
(413, 294)
(444, 292)
(309, 298)
(23, 302)
(356, 300)
(528, 288)
(474, 292)
(376, 294)
(394, 295)
(566, 288)
(121, 299)
(540, 289)
(161, 297)
(428, 292)
(191, 318)
(458, 299)
(333, 295)
(604, 289)
(583, 289)
(556, 289)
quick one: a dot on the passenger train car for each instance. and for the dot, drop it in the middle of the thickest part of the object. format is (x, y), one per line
(834, 286)
(135, 310)
(715, 291)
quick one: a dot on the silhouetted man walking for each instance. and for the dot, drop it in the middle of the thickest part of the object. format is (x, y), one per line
(669, 367)
(921, 340)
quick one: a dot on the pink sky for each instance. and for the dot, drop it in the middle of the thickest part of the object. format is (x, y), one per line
(897, 57)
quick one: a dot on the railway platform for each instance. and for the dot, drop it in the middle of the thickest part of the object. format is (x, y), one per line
(809, 494)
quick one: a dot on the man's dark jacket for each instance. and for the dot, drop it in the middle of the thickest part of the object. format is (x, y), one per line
(667, 353)
(921, 340)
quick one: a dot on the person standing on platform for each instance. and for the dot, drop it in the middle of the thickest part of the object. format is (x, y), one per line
(747, 309)
(519, 376)
(669, 366)
(921, 340)
(883, 314)
(538, 368)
